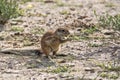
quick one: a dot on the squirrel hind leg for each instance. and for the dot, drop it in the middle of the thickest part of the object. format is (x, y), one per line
(55, 52)
(46, 51)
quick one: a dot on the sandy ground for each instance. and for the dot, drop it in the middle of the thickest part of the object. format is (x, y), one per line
(80, 59)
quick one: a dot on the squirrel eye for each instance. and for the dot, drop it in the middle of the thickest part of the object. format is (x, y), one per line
(61, 30)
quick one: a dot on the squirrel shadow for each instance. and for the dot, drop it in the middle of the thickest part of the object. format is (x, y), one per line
(36, 57)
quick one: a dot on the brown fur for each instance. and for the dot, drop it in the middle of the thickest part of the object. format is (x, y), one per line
(51, 41)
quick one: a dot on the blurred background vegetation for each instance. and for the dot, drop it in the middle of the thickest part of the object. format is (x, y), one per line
(8, 9)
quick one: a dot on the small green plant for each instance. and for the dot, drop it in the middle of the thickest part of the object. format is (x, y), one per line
(74, 37)
(80, 5)
(60, 69)
(37, 31)
(78, 38)
(109, 75)
(109, 66)
(110, 22)
(24, 1)
(103, 75)
(110, 4)
(27, 43)
(8, 9)
(90, 30)
(110, 70)
(17, 29)
(39, 0)
(94, 45)
(113, 76)
(59, 3)
(64, 12)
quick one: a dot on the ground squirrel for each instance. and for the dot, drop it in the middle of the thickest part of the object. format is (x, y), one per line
(51, 40)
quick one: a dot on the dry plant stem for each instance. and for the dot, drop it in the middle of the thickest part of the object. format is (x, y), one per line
(56, 64)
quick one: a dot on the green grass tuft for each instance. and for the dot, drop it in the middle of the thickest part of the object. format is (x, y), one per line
(8, 9)
(17, 29)
(59, 69)
(110, 22)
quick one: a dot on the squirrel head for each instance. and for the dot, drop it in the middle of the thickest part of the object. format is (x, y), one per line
(62, 33)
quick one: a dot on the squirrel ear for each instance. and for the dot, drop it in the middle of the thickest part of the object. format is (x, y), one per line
(58, 30)
(61, 29)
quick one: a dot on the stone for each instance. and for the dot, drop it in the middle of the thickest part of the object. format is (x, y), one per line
(107, 32)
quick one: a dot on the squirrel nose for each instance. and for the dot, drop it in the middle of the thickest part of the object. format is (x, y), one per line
(68, 32)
